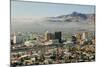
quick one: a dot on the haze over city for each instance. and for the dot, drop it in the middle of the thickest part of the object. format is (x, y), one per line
(32, 17)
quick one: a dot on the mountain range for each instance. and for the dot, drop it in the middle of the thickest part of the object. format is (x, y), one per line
(73, 17)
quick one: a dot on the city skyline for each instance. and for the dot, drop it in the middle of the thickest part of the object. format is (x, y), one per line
(49, 33)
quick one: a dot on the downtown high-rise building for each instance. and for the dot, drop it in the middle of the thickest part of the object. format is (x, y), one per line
(17, 39)
(58, 35)
(49, 36)
(55, 36)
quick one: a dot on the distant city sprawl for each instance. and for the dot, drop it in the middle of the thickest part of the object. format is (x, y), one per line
(31, 48)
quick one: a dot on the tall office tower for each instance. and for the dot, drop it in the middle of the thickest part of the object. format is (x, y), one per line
(45, 35)
(49, 36)
(17, 39)
(79, 36)
(14, 38)
(58, 35)
(82, 37)
(85, 35)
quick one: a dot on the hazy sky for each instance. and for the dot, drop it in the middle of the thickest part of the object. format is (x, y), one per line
(22, 8)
